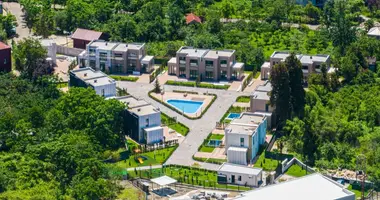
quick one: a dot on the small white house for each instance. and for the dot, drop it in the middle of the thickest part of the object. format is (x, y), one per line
(240, 175)
(100, 82)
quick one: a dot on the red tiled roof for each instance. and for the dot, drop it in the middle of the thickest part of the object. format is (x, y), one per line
(84, 34)
(191, 17)
(4, 46)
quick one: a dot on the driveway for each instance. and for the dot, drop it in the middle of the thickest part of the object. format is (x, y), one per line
(22, 30)
(199, 129)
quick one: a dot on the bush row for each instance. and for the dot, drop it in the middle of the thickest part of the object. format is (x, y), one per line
(200, 85)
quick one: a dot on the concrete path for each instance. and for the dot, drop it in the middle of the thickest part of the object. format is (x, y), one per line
(199, 129)
(15, 9)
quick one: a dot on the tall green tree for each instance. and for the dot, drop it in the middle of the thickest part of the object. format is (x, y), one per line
(30, 59)
(280, 95)
(297, 93)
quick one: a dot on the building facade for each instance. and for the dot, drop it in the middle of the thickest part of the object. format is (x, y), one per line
(51, 49)
(113, 57)
(260, 102)
(213, 65)
(82, 37)
(142, 121)
(97, 80)
(310, 63)
(244, 136)
(5, 58)
(240, 175)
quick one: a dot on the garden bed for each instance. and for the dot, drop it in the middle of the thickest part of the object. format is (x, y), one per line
(125, 78)
(243, 99)
(232, 109)
(177, 126)
(205, 147)
(194, 84)
(296, 171)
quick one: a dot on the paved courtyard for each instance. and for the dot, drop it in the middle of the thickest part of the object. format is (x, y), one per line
(199, 129)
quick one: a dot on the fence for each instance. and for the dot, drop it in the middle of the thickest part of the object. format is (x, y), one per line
(68, 51)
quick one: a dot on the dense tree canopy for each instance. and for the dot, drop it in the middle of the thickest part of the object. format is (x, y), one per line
(50, 143)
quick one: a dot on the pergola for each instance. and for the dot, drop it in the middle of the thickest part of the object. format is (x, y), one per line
(163, 181)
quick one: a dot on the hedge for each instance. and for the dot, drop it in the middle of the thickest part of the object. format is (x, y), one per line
(210, 160)
(125, 78)
(200, 85)
(179, 112)
(188, 92)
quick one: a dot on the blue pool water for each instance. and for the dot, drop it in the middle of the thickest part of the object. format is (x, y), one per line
(233, 115)
(186, 106)
(214, 143)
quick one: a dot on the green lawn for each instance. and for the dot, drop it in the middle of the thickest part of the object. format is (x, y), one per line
(296, 171)
(256, 76)
(200, 85)
(177, 126)
(130, 193)
(358, 192)
(125, 78)
(216, 137)
(266, 163)
(187, 175)
(206, 149)
(210, 160)
(152, 158)
(243, 99)
(62, 85)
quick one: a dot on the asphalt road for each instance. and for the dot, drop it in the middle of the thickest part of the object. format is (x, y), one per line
(199, 129)
(22, 30)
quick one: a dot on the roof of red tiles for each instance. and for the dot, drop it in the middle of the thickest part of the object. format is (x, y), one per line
(84, 34)
(4, 46)
(191, 17)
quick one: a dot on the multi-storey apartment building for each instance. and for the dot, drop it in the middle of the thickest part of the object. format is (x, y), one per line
(100, 82)
(116, 57)
(142, 121)
(310, 63)
(206, 64)
(244, 136)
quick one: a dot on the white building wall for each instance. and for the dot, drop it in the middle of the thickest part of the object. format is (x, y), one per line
(109, 90)
(249, 179)
(237, 157)
(154, 136)
(154, 120)
(233, 139)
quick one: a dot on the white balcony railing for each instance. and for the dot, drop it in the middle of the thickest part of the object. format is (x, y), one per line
(182, 61)
(209, 66)
(194, 64)
(223, 65)
(305, 71)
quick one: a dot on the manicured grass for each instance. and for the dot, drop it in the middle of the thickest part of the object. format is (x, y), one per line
(193, 84)
(296, 171)
(266, 163)
(243, 99)
(256, 76)
(125, 78)
(210, 160)
(152, 158)
(177, 126)
(130, 192)
(206, 149)
(187, 175)
(358, 192)
(216, 137)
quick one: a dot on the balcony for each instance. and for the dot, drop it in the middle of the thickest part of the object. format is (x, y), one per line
(305, 71)
(193, 64)
(182, 61)
(209, 66)
(318, 70)
(118, 58)
(223, 65)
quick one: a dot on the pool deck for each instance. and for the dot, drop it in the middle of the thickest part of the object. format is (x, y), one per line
(182, 96)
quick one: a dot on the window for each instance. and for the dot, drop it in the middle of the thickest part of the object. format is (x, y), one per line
(266, 107)
(242, 142)
(209, 63)
(5, 61)
(147, 123)
(193, 73)
(103, 93)
(194, 63)
(223, 74)
(305, 67)
(239, 178)
(209, 75)
(223, 62)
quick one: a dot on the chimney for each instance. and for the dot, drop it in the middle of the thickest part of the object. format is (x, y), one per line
(85, 74)
(139, 109)
(95, 81)
(311, 57)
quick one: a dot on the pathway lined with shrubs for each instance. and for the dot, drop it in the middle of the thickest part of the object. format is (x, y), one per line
(199, 129)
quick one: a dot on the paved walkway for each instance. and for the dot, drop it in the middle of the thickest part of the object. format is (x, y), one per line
(199, 129)
(22, 30)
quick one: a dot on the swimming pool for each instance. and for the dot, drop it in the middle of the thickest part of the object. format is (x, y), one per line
(233, 116)
(214, 143)
(186, 106)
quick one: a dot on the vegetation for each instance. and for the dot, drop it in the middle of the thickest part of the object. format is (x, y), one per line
(296, 171)
(232, 109)
(125, 78)
(243, 99)
(173, 124)
(267, 164)
(194, 84)
(205, 147)
(56, 138)
(194, 176)
(131, 193)
(157, 87)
